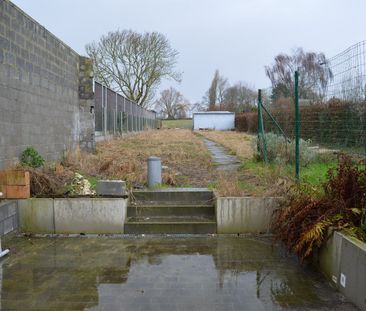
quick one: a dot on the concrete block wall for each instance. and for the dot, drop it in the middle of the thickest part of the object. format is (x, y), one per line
(8, 217)
(44, 96)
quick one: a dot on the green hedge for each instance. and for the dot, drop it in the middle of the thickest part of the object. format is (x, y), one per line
(337, 124)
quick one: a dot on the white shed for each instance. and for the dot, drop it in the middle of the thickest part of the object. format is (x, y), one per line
(214, 120)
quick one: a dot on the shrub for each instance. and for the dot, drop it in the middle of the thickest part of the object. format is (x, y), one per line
(31, 157)
(304, 222)
(246, 122)
(335, 123)
(282, 151)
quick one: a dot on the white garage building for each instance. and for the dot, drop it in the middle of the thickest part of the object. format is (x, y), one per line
(214, 120)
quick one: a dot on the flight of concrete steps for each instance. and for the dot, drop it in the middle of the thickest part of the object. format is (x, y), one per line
(171, 211)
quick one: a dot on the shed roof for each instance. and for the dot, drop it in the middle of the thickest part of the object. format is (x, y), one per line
(214, 112)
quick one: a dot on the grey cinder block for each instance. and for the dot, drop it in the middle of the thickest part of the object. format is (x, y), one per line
(112, 188)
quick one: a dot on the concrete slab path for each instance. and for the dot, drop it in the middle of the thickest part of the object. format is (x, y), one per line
(221, 157)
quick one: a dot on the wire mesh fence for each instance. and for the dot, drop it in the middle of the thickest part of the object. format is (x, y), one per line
(115, 114)
(332, 121)
(335, 120)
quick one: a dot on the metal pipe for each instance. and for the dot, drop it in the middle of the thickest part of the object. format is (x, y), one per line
(153, 171)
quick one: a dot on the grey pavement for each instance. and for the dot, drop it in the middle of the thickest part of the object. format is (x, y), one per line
(159, 273)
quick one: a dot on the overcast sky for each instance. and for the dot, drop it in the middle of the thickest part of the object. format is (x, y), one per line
(238, 37)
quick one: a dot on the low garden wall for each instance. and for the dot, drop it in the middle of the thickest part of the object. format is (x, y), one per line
(245, 214)
(72, 215)
(343, 261)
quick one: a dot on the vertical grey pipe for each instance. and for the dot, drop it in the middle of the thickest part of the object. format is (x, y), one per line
(153, 171)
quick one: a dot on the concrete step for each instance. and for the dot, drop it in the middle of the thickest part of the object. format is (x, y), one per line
(176, 196)
(170, 225)
(171, 210)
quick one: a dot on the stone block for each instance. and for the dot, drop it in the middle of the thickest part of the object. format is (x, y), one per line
(112, 188)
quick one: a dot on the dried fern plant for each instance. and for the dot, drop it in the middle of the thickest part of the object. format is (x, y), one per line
(304, 223)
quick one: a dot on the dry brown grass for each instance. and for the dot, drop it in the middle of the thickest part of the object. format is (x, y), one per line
(185, 158)
(238, 143)
(184, 155)
(228, 185)
(255, 181)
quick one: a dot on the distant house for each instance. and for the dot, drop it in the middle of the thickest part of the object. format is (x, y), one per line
(214, 120)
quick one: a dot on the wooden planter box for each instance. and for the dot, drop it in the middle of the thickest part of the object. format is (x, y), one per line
(14, 184)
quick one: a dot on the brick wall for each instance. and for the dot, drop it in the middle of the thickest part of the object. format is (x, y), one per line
(45, 93)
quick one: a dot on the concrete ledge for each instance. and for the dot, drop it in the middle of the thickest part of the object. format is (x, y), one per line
(343, 261)
(73, 215)
(245, 214)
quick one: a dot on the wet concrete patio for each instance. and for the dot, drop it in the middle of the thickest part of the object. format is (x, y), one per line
(159, 273)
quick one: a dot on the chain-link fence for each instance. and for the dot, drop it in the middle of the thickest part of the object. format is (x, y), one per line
(332, 121)
(336, 119)
(115, 114)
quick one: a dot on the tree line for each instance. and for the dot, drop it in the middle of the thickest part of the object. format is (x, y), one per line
(134, 64)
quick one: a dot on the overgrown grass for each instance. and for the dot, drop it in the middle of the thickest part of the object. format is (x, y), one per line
(184, 156)
(237, 143)
(314, 174)
(259, 178)
(180, 123)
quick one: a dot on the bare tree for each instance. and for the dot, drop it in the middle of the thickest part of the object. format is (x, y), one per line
(314, 73)
(212, 91)
(172, 104)
(133, 63)
(216, 90)
(239, 97)
(199, 106)
(221, 88)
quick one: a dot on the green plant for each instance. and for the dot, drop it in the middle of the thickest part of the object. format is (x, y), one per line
(304, 223)
(31, 157)
(281, 151)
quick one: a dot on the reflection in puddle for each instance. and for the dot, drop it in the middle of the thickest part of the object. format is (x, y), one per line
(157, 273)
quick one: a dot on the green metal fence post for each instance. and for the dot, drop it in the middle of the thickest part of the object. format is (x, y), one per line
(261, 128)
(258, 126)
(297, 126)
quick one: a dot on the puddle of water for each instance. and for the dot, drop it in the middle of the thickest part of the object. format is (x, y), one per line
(158, 273)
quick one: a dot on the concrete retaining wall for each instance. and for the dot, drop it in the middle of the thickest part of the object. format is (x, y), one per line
(343, 260)
(245, 214)
(73, 215)
(8, 217)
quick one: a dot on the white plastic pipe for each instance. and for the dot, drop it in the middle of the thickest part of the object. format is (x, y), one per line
(3, 252)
